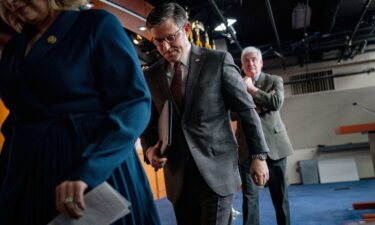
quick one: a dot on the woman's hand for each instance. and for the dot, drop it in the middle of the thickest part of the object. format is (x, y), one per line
(69, 198)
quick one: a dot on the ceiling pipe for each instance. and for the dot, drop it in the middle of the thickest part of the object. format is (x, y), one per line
(332, 45)
(349, 41)
(360, 21)
(306, 13)
(368, 71)
(306, 39)
(326, 43)
(270, 13)
(331, 42)
(335, 16)
(328, 46)
(230, 29)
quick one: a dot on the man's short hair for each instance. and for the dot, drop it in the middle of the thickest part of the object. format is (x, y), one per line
(165, 11)
(251, 49)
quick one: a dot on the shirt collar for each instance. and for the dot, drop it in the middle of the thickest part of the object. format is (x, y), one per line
(185, 57)
(257, 77)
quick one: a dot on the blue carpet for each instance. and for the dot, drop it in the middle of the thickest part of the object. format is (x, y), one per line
(318, 204)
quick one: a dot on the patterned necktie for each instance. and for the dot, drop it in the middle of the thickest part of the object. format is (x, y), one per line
(176, 83)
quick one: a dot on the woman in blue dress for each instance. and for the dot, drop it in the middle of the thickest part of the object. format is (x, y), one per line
(78, 101)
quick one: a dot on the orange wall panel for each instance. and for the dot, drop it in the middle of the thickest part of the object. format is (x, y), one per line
(3, 114)
(356, 128)
(156, 179)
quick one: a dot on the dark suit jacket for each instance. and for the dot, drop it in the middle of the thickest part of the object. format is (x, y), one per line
(273, 127)
(214, 87)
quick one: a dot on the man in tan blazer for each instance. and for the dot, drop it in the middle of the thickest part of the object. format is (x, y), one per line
(268, 94)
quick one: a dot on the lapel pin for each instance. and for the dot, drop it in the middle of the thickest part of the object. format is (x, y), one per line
(52, 39)
(197, 60)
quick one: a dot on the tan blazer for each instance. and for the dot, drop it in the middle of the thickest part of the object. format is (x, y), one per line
(269, 100)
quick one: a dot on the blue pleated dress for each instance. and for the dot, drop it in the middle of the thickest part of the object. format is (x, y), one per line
(77, 101)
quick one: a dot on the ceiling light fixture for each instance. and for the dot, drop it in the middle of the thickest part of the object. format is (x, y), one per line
(87, 6)
(222, 26)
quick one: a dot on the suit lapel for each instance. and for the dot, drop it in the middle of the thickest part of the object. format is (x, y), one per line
(261, 81)
(195, 66)
(162, 80)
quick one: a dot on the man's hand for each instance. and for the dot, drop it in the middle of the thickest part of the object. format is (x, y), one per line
(153, 157)
(250, 85)
(259, 172)
(69, 198)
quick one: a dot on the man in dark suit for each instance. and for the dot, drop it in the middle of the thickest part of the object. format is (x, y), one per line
(201, 167)
(268, 94)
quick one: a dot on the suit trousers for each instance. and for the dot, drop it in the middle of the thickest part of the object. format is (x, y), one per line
(278, 188)
(198, 204)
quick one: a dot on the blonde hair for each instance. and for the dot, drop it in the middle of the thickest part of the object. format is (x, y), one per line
(17, 24)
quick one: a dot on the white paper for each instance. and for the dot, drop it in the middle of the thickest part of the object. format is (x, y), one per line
(104, 205)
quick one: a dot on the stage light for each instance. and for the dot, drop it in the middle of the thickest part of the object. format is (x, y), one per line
(222, 27)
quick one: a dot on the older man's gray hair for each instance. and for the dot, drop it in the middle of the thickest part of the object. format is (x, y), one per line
(249, 50)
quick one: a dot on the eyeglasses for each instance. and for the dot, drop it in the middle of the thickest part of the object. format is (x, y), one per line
(169, 39)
